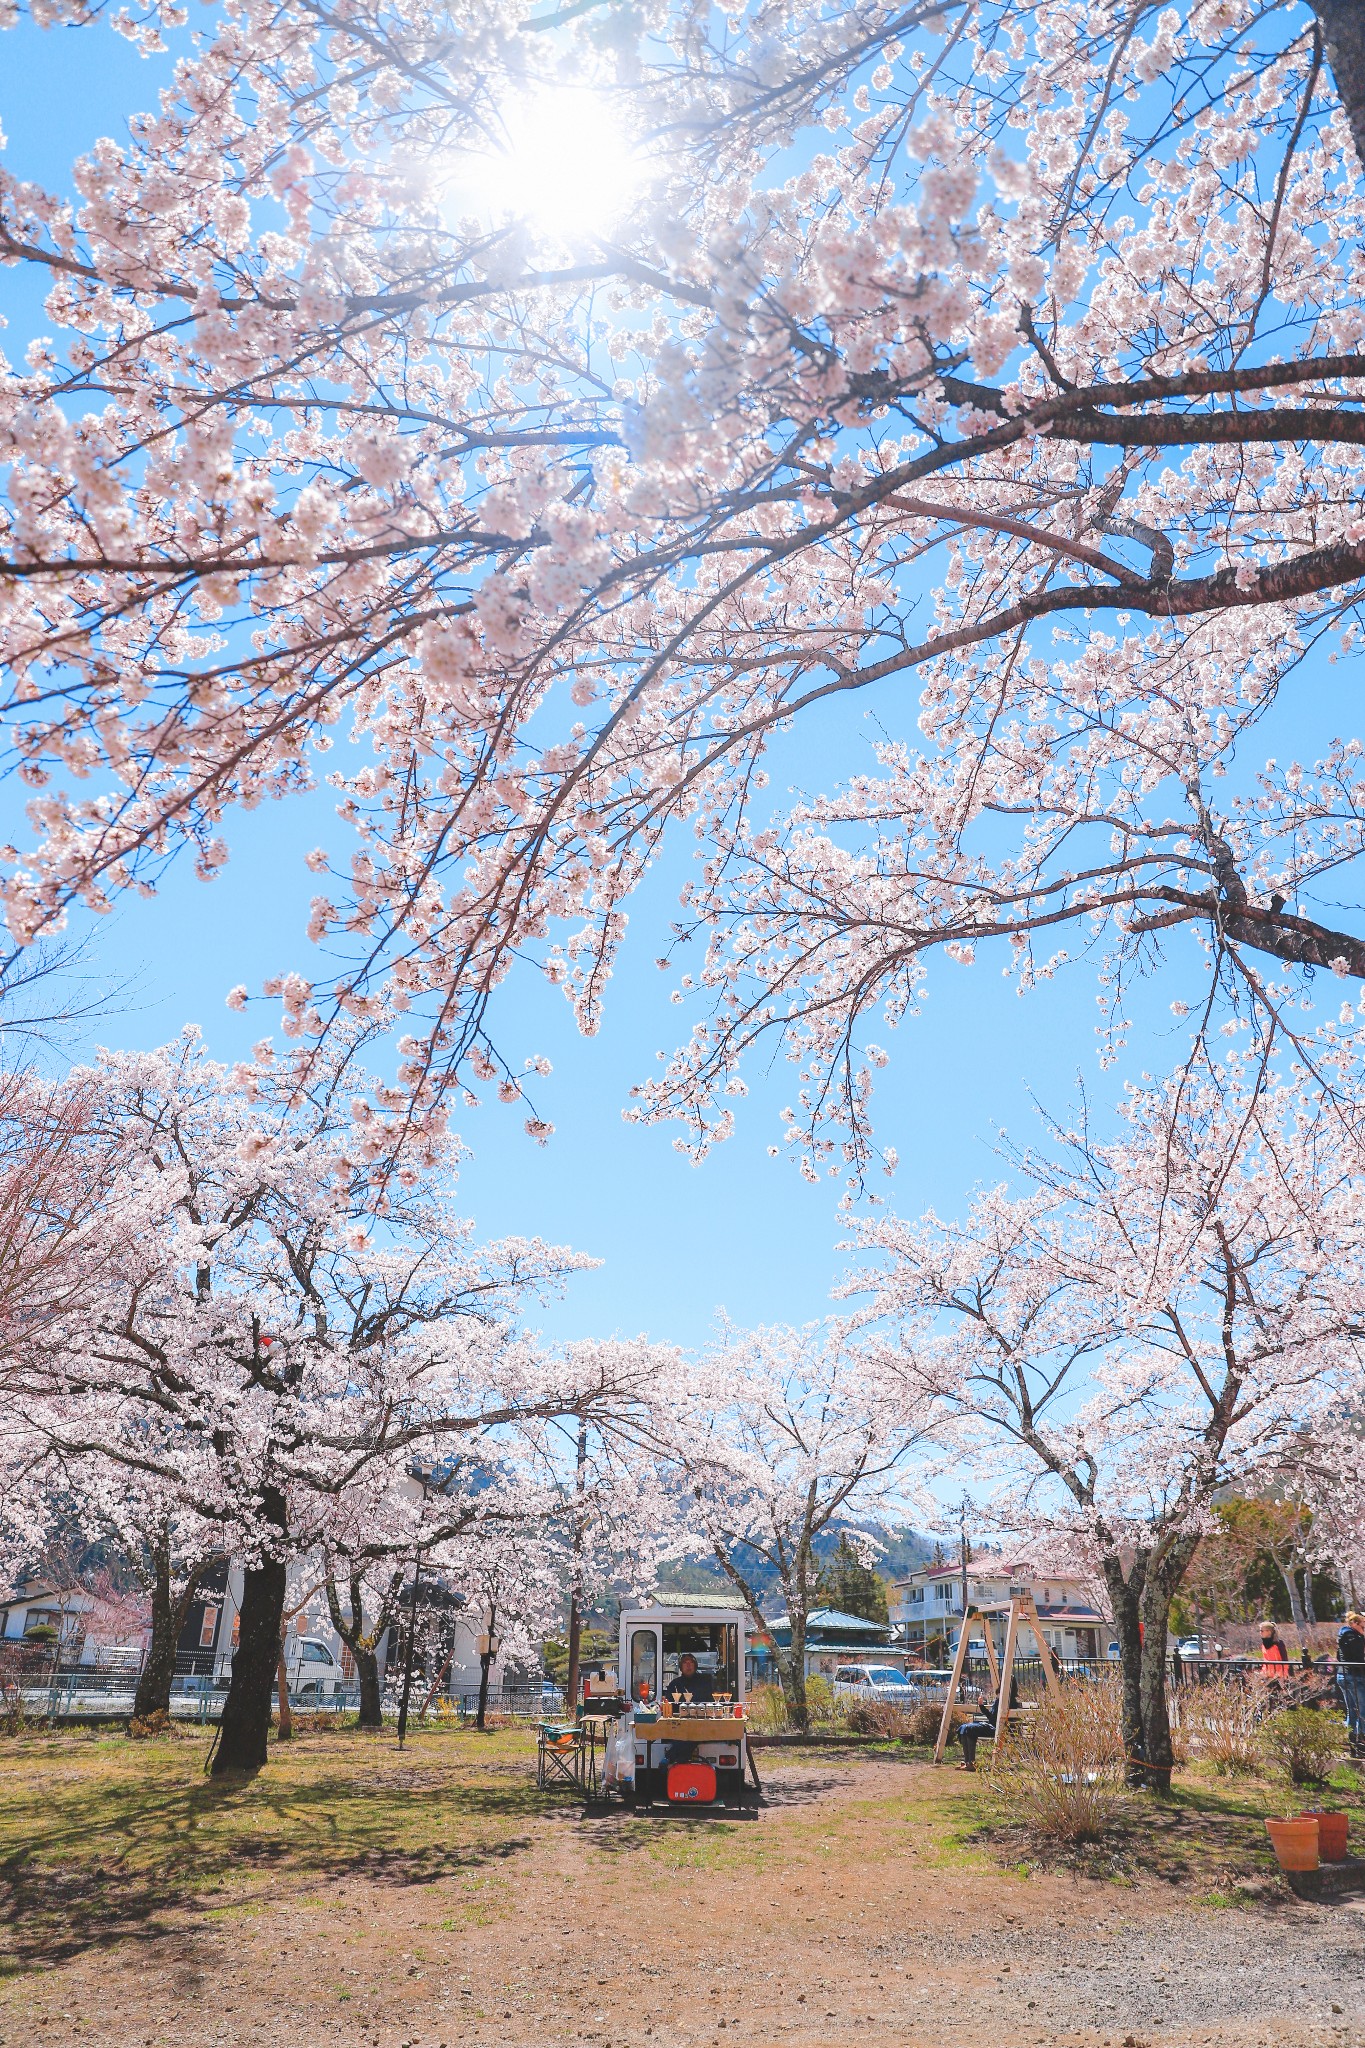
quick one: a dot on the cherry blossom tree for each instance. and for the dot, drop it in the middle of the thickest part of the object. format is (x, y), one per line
(780, 1437)
(284, 1334)
(1012, 353)
(1162, 1316)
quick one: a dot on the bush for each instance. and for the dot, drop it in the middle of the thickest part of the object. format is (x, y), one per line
(880, 1717)
(820, 1702)
(1303, 1743)
(1218, 1725)
(767, 1710)
(143, 1725)
(1059, 1773)
(926, 1720)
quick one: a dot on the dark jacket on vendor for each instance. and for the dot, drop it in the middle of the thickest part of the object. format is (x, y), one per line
(690, 1680)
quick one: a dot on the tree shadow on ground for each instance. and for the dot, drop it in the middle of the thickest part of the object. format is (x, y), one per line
(125, 1863)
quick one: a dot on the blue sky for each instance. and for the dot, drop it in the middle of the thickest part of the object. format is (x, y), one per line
(679, 1242)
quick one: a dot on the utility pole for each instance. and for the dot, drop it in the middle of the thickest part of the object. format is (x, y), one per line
(962, 1522)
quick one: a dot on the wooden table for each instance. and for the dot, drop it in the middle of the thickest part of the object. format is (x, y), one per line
(679, 1728)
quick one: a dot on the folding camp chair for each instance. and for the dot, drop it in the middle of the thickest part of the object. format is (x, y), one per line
(561, 1755)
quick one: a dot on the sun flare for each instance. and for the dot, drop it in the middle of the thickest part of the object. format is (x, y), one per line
(564, 166)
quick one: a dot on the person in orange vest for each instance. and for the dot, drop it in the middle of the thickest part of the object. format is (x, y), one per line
(1274, 1655)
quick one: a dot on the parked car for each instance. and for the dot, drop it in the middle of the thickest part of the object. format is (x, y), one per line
(312, 1670)
(1189, 1646)
(875, 1682)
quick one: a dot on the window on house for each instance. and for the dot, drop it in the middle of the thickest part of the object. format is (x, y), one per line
(208, 1628)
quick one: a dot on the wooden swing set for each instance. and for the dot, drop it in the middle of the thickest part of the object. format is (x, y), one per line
(1023, 1610)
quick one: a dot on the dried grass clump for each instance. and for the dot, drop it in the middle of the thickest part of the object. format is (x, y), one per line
(1303, 1743)
(144, 1725)
(1218, 1723)
(1059, 1772)
(767, 1710)
(884, 1718)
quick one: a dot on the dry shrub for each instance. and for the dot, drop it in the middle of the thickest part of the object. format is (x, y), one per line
(881, 1717)
(1218, 1724)
(924, 1723)
(1059, 1772)
(767, 1710)
(143, 1725)
(1304, 1744)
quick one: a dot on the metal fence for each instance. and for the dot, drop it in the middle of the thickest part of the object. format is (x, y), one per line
(42, 1689)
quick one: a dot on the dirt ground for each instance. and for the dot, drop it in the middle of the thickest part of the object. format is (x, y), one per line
(859, 1899)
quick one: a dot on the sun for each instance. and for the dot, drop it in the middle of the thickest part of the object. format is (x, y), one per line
(561, 163)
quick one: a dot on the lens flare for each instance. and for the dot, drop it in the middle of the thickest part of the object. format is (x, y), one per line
(563, 165)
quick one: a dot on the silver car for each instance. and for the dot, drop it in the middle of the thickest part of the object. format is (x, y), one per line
(875, 1682)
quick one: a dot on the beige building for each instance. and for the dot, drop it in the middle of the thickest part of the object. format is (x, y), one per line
(926, 1608)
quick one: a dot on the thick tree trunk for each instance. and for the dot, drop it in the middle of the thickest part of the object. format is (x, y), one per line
(575, 1644)
(1290, 1574)
(1123, 1598)
(1158, 1754)
(168, 1618)
(798, 1704)
(244, 1731)
(485, 1664)
(1343, 33)
(362, 1644)
(286, 1728)
(367, 1671)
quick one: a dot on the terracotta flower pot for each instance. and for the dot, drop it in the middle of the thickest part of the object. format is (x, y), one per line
(1295, 1842)
(1332, 1830)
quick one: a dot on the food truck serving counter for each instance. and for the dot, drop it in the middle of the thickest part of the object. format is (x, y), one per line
(682, 1673)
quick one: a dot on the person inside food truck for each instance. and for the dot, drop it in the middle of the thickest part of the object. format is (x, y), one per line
(690, 1683)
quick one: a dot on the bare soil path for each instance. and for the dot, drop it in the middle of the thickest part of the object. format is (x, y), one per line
(355, 1898)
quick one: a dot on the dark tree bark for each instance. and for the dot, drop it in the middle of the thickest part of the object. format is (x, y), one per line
(1141, 1599)
(576, 1588)
(1343, 35)
(244, 1731)
(485, 1666)
(1123, 1598)
(286, 1728)
(367, 1671)
(169, 1610)
(363, 1643)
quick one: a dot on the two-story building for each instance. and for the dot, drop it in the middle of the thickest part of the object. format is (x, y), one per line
(926, 1607)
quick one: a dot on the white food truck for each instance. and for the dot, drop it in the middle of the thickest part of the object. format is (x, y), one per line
(691, 1730)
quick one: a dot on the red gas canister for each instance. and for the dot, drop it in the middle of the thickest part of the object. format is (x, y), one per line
(691, 1781)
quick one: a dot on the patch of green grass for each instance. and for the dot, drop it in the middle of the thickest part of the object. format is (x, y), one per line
(100, 1840)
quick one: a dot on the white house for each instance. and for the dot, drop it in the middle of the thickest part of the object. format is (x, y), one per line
(87, 1628)
(926, 1607)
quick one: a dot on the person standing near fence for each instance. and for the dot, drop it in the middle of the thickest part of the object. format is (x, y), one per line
(1351, 1677)
(1274, 1656)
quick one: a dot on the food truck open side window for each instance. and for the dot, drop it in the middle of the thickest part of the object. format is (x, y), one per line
(644, 1664)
